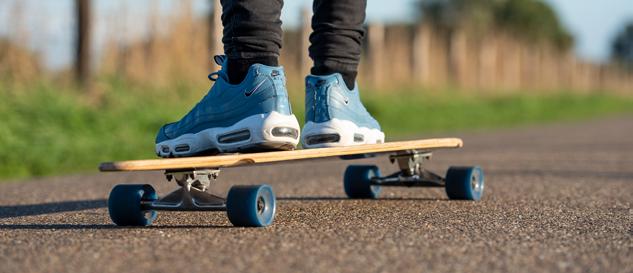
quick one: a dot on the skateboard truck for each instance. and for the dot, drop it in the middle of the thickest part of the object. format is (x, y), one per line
(245, 205)
(192, 195)
(412, 173)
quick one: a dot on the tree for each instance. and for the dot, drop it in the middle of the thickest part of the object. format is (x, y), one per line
(532, 20)
(622, 47)
(452, 14)
(83, 42)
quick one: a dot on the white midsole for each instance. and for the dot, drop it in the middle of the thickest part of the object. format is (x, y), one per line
(260, 127)
(346, 131)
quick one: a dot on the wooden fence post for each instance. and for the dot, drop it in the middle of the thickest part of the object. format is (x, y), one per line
(376, 51)
(458, 58)
(304, 59)
(83, 42)
(488, 62)
(215, 36)
(421, 54)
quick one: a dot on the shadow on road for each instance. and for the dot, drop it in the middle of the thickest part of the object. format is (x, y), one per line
(48, 208)
(564, 173)
(70, 206)
(56, 226)
(331, 198)
(101, 226)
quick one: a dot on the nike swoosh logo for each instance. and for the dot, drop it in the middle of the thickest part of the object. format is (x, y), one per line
(248, 93)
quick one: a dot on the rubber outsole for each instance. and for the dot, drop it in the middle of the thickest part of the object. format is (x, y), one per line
(262, 132)
(338, 133)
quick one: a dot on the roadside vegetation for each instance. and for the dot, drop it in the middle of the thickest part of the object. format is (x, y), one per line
(48, 129)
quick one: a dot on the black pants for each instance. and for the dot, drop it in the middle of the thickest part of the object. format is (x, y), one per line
(252, 29)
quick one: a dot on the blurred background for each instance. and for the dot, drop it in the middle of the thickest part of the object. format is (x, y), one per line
(84, 81)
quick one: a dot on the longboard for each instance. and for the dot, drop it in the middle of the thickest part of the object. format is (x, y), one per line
(233, 160)
(254, 205)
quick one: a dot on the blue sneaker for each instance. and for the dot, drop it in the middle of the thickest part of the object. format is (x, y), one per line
(335, 116)
(254, 115)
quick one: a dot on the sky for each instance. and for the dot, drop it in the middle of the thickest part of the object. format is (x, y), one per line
(594, 23)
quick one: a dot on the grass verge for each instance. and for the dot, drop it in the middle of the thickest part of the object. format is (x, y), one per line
(46, 130)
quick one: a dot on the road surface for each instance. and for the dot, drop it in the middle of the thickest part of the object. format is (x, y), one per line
(558, 197)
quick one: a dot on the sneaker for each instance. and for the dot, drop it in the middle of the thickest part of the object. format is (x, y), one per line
(335, 116)
(254, 115)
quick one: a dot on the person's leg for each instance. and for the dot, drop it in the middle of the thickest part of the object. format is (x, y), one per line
(252, 34)
(247, 109)
(335, 115)
(336, 38)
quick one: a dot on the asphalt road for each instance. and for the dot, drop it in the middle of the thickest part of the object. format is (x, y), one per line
(558, 198)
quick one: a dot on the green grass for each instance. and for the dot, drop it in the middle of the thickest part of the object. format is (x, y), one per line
(48, 130)
(408, 115)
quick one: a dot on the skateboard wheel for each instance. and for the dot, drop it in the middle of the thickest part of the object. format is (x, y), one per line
(124, 205)
(357, 181)
(251, 206)
(465, 183)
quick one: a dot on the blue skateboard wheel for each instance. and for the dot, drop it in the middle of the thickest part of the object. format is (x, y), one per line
(124, 205)
(357, 181)
(465, 183)
(251, 206)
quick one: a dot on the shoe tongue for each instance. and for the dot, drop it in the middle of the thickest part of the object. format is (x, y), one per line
(319, 80)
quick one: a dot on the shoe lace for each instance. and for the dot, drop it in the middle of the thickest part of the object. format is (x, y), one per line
(219, 59)
(214, 76)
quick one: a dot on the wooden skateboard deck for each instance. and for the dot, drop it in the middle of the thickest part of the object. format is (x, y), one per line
(254, 205)
(233, 160)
